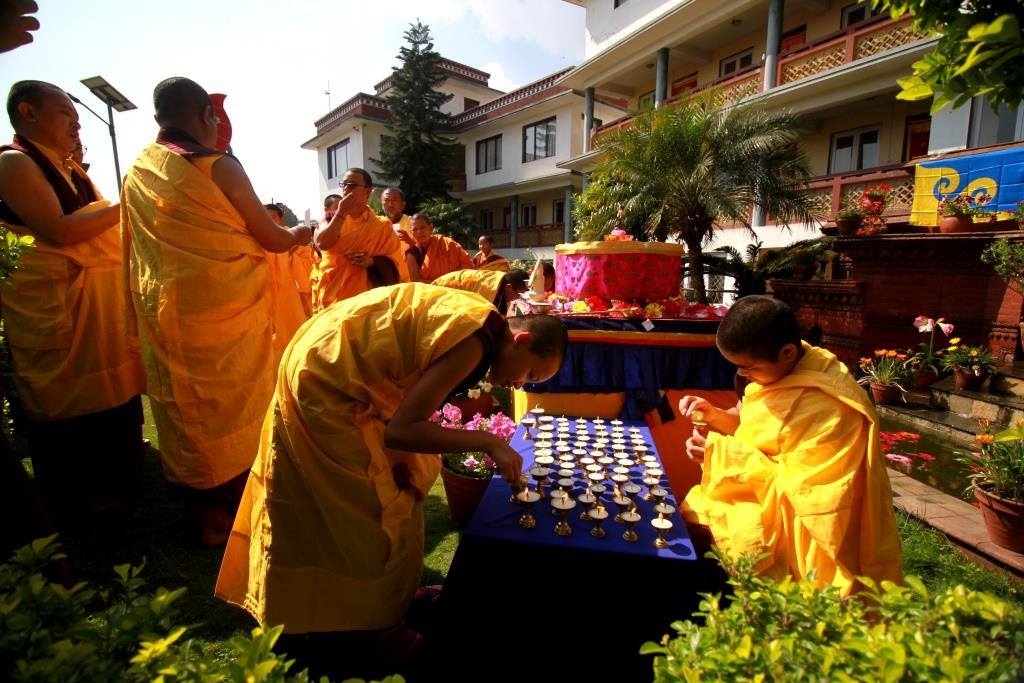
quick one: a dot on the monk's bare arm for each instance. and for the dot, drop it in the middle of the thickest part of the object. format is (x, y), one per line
(414, 268)
(25, 189)
(329, 234)
(411, 430)
(230, 177)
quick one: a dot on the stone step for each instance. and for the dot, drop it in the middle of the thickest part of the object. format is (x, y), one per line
(938, 422)
(1008, 379)
(1000, 409)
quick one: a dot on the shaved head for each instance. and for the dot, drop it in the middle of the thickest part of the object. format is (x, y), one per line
(30, 92)
(178, 100)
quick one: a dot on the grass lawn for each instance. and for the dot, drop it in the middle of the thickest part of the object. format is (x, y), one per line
(149, 532)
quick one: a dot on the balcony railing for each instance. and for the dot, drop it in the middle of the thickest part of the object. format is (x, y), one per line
(546, 235)
(835, 50)
(829, 193)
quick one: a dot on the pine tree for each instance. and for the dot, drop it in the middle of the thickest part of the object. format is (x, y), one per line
(415, 153)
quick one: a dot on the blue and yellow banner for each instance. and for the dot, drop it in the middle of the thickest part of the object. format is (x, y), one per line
(998, 174)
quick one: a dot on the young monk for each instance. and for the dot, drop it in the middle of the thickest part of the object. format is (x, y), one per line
(499, 288)
(796, 471)
(288, 312)
(196, 235)
(487, 258)
(329, 537)
(434, 255)
(350, 241)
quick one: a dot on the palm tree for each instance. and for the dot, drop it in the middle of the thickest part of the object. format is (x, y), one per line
(684, 171)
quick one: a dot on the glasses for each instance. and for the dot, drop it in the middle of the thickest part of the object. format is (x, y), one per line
(351, 186)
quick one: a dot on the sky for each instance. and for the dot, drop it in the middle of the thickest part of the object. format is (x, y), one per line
(273, 59)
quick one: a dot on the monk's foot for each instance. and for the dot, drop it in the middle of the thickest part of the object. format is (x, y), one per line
(215, 526)
(397, 647)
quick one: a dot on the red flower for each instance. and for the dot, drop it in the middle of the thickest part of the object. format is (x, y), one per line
(596, 303)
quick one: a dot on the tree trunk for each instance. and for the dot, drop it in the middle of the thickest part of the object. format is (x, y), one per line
(696, 255)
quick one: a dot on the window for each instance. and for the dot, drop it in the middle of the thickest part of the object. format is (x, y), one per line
(337, 159)
(539, 140)
(558, 211)
(487, 220)
(528, 213)
(468, 103)
(915, 136)
(737, 62)
(645, 101)
(684, 84)
(853, 150)
(856, 13)
(793, 38)
(488, 155)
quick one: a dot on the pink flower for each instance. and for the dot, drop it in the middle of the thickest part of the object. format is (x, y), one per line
(436, 417)
(896, 457)
(470, 462)
(924, 324)
(451, 413)
(947, 328)
(927, 457)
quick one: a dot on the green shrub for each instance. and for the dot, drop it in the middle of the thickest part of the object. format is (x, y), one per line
(52, 633)
(794, 631)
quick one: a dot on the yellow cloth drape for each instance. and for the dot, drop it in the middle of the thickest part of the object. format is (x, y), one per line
(202, 306)
(405, 224)
(336, 279)
(286, 302)
(63, 312)
(443, 256)
(302, 261)
(325, 540)
(486, 283)
(492, 262)
(803, 479)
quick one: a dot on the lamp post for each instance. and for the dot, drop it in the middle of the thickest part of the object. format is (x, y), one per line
(110, 96)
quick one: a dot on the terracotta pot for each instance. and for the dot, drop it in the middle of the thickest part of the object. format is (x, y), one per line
(924, 379)
(847, 226)
(953, 224)
(885, 393)
(968, 381)
(464, 494)
(471, 406)
(1004, 520)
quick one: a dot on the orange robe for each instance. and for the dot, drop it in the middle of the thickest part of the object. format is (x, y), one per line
(491, 262)
(63, 312)
(803, 480)
(325, 538)
(443, 255)
(337, 279)
(289, 313)
(203, 309)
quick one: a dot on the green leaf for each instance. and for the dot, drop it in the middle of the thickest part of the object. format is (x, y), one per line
(913, 88)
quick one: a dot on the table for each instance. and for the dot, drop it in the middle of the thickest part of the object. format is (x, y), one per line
(567, 608)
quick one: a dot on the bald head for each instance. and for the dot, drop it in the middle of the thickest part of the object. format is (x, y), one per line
(45, 114)
(177, 100)
(32, 93)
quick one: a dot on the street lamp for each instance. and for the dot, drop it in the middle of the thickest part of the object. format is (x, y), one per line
(110, 96)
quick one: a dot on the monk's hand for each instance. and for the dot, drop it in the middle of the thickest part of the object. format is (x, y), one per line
(405, 237)
(358, 257)
(16, 26)
(699, 411)
(509, 462)
(695, 446)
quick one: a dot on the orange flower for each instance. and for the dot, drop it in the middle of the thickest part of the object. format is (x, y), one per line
(985, 423)
(984, 439)
(901, 356)
(891, 354)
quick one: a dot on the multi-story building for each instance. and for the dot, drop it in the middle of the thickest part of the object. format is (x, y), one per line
(833, 61)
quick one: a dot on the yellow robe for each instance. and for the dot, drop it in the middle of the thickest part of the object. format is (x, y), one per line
(63, 312)
(302, 261)
(493, 262)
(803, 479)
(443, 256)
(325, 540)
(289, 313)
(336, 279)
(486, 283)
(202, 305)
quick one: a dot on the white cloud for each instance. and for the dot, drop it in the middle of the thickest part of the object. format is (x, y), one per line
(557, 27)
(499, 79)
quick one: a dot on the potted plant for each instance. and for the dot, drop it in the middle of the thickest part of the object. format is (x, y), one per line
(874, 198)
(958, 212)
(997, 481)
(970, 365)
(885, 375)
(467, 475)
(872, 224)
(1018, 215)
(475, 400)
(805, 257)
(925, 362)
(849, 218)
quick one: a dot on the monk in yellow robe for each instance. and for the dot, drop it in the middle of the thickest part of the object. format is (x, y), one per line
(434, 255)
(78, 378)
(288, 313)
(360, 249)
(797, 472)
(499, 288)
(329, 537)
(196, 235)
(487, 258)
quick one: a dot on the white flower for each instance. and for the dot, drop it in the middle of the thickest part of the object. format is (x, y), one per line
(473, 393)
(485, 386)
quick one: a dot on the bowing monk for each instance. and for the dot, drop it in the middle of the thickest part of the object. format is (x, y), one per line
(289, 313)
(796, 471)
(196, 236)
(329, 537)
(77, 377)
(434, 255)
(499, 288)
(487, 258)
(357, 246)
